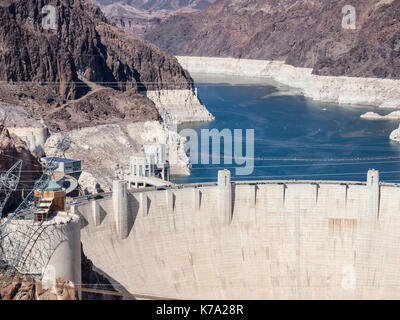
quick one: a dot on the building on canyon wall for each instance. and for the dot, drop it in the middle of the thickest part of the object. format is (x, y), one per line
(150, 162)
(149, 167)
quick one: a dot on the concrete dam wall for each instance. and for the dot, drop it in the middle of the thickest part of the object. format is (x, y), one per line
(255, 240)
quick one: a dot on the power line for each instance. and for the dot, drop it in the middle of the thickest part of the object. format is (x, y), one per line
(218, 156)
(299, 165)
(222, 166)
(302, 175)
(128, 81)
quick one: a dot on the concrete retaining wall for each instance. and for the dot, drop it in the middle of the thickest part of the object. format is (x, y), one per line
(284, 240)
(35, 138)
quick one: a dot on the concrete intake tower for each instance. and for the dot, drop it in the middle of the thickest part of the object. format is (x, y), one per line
(249, 240)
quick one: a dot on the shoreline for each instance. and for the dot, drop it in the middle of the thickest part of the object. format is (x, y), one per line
(179, 106)
(383, 93)
(393, 116)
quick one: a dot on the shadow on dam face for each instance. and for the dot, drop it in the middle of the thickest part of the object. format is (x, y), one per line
(133, 209)
(276, 240)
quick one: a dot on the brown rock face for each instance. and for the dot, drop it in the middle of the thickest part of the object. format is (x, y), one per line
(11, 150)
(140, 16)
(303, 33)
(53, 67)
(24, 287)
(99, 106)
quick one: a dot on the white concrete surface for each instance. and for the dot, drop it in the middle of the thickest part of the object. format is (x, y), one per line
(286, 240)
(120, 207)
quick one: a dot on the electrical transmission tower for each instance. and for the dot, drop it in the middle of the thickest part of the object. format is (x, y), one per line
(18, 230)
(9, 183)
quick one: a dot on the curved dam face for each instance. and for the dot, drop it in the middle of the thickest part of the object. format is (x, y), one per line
(259, 240)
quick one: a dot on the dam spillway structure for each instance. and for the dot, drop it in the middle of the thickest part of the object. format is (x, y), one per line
(249, 240)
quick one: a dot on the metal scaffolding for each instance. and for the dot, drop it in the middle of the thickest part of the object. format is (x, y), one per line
(9, 183)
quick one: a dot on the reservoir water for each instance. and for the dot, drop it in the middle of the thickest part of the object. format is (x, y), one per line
(295, 137)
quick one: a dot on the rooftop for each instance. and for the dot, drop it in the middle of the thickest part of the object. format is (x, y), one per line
(139, 154)
(52, 186)
(58, 159)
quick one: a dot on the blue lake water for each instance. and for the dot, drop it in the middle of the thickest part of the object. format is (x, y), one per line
(296, 137)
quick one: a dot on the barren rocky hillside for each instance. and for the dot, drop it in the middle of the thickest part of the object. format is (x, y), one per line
(83, 72)
(303, 33)
(139, 16)
(154, 5)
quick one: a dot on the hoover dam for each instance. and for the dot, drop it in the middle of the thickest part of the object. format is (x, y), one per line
(248, 240)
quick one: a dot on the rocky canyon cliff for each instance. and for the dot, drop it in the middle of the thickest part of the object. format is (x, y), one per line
(140, 16)
(83, 71)
(302, 33)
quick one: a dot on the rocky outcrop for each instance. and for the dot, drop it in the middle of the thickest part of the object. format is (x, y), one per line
(305, 34)
(25, 287)
(61, 72)
(395, 115)
(177, 106)
(13, 149)
(89, 184)
(395, 135)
